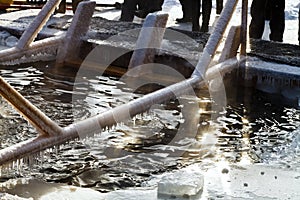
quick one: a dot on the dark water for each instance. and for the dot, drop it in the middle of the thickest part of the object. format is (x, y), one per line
(251, 128)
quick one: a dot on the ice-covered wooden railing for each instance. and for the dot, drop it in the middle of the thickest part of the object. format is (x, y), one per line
(26, 45)
(52, 134)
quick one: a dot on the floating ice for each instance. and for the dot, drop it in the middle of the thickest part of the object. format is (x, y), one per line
(181, 183)
(3, 36)
(5, 196)
(11, 41)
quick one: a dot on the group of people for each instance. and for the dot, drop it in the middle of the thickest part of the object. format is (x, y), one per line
(192, 11)
(139, 8)
(261, 10)
(190, 8)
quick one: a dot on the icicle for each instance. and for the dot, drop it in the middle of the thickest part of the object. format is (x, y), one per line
(55, 150)
(42, 154)
(19, 166)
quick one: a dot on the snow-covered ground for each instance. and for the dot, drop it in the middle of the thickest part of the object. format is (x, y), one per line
(173, 7)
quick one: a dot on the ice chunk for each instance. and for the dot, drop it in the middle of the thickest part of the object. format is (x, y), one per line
(181, 183)
(132, 194)
(5, 196)
(3, 36)
(11, 41)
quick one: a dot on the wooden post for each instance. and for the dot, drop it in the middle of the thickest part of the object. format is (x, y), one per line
(69, 50)
(244, 27)
(232, 44)
(148, 42)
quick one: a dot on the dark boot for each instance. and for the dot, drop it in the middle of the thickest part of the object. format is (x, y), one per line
(128, 9)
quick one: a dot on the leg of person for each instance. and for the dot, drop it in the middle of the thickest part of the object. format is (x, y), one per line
(219, 6)
(257, 23)
(206, 11)
(149, 7)
(277, 20)
(128, 9)
(160, 4)
(195, 4)
(186, 10)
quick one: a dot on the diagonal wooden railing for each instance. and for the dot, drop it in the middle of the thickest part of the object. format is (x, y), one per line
(26, 45)
(52, 134)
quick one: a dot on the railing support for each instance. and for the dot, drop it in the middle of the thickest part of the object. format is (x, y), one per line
(39, 21)
(26, 46)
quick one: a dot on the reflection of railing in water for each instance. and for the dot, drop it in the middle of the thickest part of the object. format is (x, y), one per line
(52, 134)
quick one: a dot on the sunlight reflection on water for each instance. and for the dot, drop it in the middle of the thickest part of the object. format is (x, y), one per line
(130, 152)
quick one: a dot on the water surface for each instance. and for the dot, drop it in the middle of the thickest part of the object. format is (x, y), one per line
(251, 129)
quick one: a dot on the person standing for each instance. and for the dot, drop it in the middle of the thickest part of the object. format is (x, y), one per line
(262, 10)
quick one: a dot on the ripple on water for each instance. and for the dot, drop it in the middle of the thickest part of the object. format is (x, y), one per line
(151, 143)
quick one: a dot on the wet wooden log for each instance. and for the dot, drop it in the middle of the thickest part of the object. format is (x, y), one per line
(70, 48)
(232, 44)
(37, 118)
(149, 41)
(45, 46)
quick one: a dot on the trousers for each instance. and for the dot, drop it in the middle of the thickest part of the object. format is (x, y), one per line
(262, 10)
